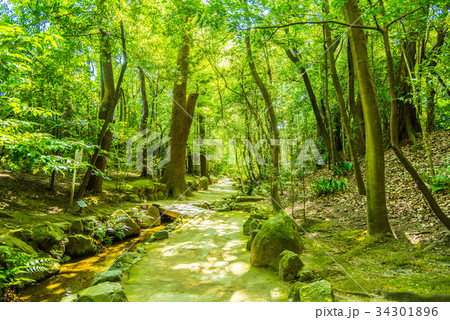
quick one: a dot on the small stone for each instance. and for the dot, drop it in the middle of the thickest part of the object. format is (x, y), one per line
(103, 292)
(294, 293)
(246, 226)
(319, 291)
(111, 275)
(160, 235)
(305, 275)
(290, 265)
(70, 298)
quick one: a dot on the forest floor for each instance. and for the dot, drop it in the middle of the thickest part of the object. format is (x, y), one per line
(416, 260)
(338, 249)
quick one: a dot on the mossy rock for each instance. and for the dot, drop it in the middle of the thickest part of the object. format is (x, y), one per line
(160, 195)
(17, 244)
(47, 236)
(77, 227)
(159, 235)
(111, 275)
(103, 292)
(254, 225)
(132, 227)
(203, 182)
(276, 235)
(42, 271)
(294, 292)
(306, 275)
(64, 226)
(290, 265)
(243, 206)
(23, 234)
(246, 226)
(251, 238)
(80, 245)
(319, 291)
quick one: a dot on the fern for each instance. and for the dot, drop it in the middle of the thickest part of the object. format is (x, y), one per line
(328, 186)
(343, 168)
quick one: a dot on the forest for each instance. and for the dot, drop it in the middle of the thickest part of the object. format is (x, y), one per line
(234, 150)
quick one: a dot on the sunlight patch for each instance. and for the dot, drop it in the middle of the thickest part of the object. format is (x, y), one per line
(239, 268)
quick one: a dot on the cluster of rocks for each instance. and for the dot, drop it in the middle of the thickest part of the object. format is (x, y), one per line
(106, 285)
(276, 243)
(47, 245)
(152, 191)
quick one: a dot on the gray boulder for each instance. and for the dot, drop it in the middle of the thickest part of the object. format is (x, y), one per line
(319, 291)
(276, 235)
(80, 245)
(290, 265)
(103, 292)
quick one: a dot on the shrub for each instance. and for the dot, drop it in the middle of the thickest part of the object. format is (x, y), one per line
(343, 168)
(328, 186)
(441, 181)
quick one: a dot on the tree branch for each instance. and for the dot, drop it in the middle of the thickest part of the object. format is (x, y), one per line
(316, 22)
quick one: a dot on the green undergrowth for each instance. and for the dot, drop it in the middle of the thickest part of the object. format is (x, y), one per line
(375, 263)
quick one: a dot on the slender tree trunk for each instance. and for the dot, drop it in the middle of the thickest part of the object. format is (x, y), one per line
(203, 164)
(180, 124)
(276, 202)
(144, 116)
(355, 108)
(345, 119)
(377, 214)
(334, 154)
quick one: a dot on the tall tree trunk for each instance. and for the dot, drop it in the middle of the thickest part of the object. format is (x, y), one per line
(335, 157)
(355, 108)
(274, 192)
(144, 116)
(395, 112)
(377, 214)
(203, 163)
(408, 124)
(96, 181)
(109, 108)
(180, 125)
(341, 102)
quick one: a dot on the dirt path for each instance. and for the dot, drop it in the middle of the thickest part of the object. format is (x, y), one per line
(205, 260)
